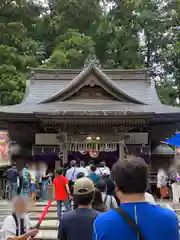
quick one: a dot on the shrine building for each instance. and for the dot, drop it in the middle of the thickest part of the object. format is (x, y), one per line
(88, 113)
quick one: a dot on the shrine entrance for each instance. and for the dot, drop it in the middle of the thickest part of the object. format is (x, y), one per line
(87, 151)
(97, 150)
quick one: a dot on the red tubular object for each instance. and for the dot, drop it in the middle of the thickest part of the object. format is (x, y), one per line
(45, 211)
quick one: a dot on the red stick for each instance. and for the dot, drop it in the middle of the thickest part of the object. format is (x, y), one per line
(45, 211)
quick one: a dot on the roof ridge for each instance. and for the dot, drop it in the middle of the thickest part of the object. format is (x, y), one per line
(66, 70)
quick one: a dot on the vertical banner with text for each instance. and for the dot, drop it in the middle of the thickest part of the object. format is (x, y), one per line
(5, 157)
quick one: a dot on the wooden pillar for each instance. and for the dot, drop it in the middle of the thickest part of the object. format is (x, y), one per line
(65, 154)
(63, 150)
(121, 150)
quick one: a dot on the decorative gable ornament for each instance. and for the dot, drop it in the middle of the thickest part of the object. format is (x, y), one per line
(92, 60)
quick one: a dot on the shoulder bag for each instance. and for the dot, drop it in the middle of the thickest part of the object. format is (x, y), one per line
(16, 222)
(130, 221)
(17, 225)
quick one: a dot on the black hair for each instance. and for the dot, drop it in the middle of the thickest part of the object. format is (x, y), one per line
(110, 186)
(102, 164)
(91, 162)
(101, 185)
(59, 171)
(82, 163)
(73, 163)
(80, 175)
(98, 202)
(93, 168)
(83, 200)
(131, 175)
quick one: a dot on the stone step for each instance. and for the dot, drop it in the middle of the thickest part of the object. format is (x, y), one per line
(47, 235)
(40, 209)
(52, 209)
(49, 216)
(47, 224)
(43, 204)
(5, 211)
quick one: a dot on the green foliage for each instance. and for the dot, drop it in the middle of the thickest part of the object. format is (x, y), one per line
(71, 50)
(18, 47)
(12, 85)
(123, 34)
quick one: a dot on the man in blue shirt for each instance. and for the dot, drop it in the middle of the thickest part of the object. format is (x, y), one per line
(155, 223)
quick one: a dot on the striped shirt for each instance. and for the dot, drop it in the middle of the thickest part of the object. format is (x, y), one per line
(173, 174)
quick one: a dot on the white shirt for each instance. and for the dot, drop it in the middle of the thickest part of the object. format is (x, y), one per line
(88, 169)
(149, 198)
(104, 171)
(161, 179)
(81, 170)
(9, 227)
(71, 174)
(110, 201)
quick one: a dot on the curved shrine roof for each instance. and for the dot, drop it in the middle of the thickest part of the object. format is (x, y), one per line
(50, 92)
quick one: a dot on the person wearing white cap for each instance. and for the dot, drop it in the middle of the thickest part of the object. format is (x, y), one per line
(78, 224)
(17, 226)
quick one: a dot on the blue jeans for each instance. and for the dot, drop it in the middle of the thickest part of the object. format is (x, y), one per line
(67, 205)
(44, 185)
(12, 190)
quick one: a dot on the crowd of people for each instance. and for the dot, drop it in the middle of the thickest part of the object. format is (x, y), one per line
(97, 195)
(106, 205)
(31, 181)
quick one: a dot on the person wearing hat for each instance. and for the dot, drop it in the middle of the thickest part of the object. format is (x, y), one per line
(78, 224)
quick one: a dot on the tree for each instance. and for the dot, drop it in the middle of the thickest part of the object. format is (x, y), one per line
(123, 34)
(123, 49)
(74, 14)
(12, 85)
(18, 49)
(68, 14)
(170, 54)
(71, 50)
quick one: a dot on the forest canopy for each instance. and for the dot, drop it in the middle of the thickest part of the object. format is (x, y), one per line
(126, 34)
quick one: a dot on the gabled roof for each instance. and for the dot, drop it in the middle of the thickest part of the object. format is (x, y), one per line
(104, 81)
(45, 83)
(48, 92)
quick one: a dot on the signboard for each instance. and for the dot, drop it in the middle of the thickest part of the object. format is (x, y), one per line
(51, 139)
(46, 139)
(4, 149)
(137, 138)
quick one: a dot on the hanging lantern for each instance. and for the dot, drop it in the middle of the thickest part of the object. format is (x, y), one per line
(93, 154)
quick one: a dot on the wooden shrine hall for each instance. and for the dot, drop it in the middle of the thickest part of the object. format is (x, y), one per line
(89, 110)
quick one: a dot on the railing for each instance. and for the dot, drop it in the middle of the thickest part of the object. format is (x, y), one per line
(3, 190)
(153, 177)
